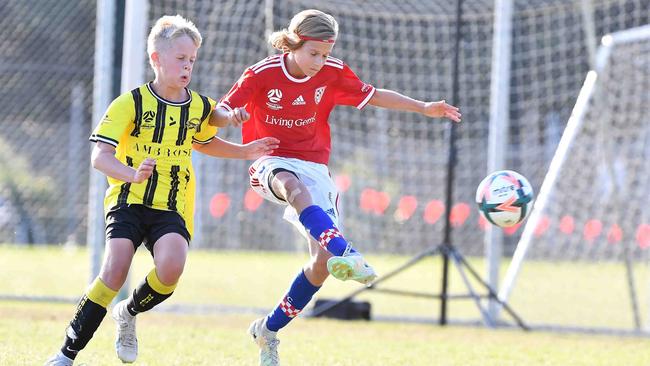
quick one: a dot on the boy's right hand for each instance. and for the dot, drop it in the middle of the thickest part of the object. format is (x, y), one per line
(144, 171)
(258, 148)
(238, 116)
(441, 109)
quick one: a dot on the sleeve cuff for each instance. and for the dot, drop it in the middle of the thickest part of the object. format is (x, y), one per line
(367, 99)
(104, 139)
(194, 140)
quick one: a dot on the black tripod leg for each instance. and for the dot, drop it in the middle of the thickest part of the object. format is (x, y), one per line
(477, 299)
(491, 292)
(629, 271)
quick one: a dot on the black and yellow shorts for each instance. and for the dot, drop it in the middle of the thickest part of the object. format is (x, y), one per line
(142, 224)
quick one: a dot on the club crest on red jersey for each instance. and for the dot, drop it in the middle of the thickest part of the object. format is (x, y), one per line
(274, 95)
(318, 94)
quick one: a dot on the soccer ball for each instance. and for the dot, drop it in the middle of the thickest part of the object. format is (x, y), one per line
(504, 198)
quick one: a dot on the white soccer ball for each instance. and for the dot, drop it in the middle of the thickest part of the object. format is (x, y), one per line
(504, 198)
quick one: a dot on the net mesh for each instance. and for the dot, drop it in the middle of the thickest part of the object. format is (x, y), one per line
(46, 71)
(599, 203)
(594, 226)
(390, 166)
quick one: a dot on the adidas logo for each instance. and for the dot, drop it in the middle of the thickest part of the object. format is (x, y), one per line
(331, 212)
(299, 101)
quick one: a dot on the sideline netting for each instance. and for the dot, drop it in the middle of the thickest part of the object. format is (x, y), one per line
(46, 73)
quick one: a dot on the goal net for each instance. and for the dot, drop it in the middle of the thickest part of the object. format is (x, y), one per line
(593, 203)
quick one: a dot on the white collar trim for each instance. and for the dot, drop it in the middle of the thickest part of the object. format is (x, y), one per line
(187, 101)
(286, 72)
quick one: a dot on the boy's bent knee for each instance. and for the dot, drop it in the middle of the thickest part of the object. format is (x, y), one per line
(113, 278)
(169, 279)
(288, 183)
(160, 284)
(169, 272)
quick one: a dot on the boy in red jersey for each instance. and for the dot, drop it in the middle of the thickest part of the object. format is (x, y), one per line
(290, 97)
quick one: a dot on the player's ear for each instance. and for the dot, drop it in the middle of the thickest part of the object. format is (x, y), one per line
(155, 58)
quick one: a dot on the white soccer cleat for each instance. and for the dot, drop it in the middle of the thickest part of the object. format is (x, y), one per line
(59, 360)
(126, 343)
(351, 267)
(267, 341)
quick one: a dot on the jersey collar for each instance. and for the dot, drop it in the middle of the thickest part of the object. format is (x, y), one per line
(286, 72)
(168, 101)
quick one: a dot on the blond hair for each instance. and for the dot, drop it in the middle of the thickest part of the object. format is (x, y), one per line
(310, 23)
(168, 28)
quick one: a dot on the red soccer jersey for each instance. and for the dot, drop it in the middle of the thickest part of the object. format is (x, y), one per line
(295, 111)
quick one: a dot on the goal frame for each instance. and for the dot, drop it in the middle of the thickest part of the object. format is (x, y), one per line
(608, 43)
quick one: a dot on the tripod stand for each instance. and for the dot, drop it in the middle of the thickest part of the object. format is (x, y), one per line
(446, 249)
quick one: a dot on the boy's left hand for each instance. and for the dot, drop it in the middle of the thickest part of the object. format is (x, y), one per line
(441, 109)
(261, 147)
(238, 116)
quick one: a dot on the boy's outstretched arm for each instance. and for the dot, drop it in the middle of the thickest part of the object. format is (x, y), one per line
(225, 149)
(393, 100)
(103, 159)
(221, 117)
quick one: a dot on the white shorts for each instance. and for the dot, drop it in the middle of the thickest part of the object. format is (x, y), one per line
(314, 176)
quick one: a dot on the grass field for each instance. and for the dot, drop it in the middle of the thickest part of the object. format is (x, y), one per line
(30, 332)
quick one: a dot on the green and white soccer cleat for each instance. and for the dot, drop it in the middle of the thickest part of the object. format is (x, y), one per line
(126, 343)
(267, 341)
(59, 360)
(351, 267)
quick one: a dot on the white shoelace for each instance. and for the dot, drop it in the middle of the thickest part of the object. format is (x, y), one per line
(272, 350)
(127, 335)
(126, 338)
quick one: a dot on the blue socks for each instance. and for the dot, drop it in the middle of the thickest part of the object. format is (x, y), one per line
(321, 227)
(300, 293)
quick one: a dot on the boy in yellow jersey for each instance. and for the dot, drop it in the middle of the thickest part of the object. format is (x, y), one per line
(144, 145)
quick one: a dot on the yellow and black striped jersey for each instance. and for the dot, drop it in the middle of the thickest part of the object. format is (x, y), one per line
(141, 124)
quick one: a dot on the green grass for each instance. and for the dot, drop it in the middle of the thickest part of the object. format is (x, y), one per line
(575, 294)
(30, 332)
(570, 294)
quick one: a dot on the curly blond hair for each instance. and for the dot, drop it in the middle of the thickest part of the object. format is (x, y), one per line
(310, 23)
